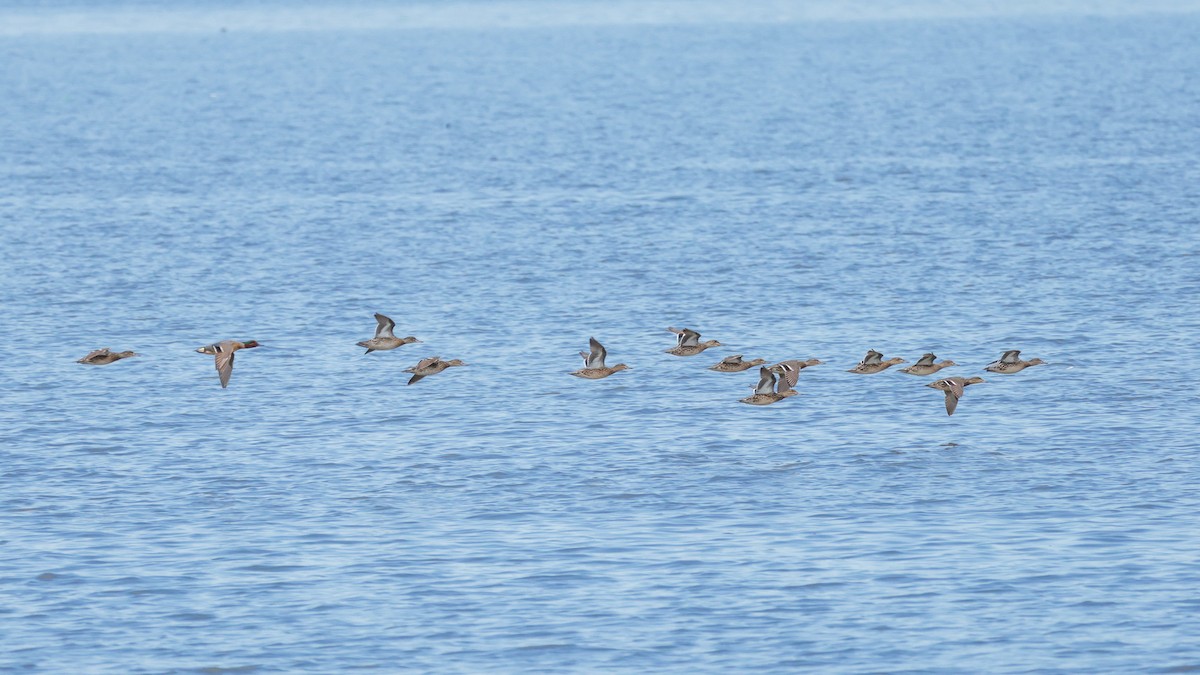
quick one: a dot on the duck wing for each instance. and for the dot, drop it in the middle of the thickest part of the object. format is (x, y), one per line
(95, 353)
(951, 402)
(384, 327)
(766, 381)
(686, 336)
(781, 385)
(595, 359)
(790, 371)
(955, 385)
(224, 361)
(426, 363)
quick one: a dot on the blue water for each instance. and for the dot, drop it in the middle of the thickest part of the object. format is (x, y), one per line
(506, 180)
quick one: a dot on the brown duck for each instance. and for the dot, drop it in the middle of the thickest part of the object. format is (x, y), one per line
(430, 366)
(384, 338)
(790, 370)
(926, 366)
(688, 342)
(873, 363)
(954, 386)
(223, 351)
(765, 392)
(593, 363)
(104, 356)
(735, 364)
(1011, 362)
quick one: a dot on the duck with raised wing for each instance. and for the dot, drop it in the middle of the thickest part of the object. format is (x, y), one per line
(765, 392)
(688, 342)
(1011, 362)
(223, 351)
(593, 363)
(926, 366)
(873, 363)
(430, 366)
(384, 338)
(790, 370)
(104, 356)
(735, 364)
(954, 386)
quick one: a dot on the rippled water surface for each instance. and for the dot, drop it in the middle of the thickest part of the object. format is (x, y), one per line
(506, 181)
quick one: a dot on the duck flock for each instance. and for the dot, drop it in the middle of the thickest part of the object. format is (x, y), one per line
(775, 382)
